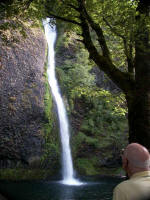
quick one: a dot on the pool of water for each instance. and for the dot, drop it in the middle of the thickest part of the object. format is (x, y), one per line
(93, 189)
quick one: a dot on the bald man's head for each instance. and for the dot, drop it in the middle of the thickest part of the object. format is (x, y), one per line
(137, 155)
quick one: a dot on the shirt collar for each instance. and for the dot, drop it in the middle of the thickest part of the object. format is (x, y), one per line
(141, 174)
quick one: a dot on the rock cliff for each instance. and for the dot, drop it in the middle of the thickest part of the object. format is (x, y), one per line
(29, 141)
(25, 103)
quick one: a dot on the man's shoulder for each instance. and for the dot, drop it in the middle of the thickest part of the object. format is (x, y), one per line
(135, 188)
(123, 185)
(119, 192)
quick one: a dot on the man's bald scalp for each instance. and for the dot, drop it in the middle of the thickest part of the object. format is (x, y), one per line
(137, 155)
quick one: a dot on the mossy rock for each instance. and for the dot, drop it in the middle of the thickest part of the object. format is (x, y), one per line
(24, 174)
(86, 166)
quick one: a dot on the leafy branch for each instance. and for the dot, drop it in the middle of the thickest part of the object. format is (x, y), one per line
(127, 52)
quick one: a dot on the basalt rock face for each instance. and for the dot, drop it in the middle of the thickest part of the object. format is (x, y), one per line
(22, 99)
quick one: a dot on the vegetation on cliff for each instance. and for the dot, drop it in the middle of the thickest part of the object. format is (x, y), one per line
(97, 115)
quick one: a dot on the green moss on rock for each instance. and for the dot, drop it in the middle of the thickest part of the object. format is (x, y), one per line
(90, 166)
(24, 174)
(51, 153)
(86, 166)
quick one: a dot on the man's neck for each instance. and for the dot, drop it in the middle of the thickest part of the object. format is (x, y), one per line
(137, 170)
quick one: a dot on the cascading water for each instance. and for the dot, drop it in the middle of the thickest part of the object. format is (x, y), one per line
(67, 164)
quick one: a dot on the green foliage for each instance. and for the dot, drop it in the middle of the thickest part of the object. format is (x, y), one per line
(24, 174)
(103, 124)
(102, 99)
(17, 16)
(34, 9)
(81, 138)
(75, 72)
(86, 166)
(51, 152)
(107, 113)
(47, 102)
(48, 107)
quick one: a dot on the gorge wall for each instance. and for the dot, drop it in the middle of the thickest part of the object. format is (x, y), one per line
(26, 118)
(29, 140)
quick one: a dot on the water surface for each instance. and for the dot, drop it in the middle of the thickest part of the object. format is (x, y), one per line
(94, 189)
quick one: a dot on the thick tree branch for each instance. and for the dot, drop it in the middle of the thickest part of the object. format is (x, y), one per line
(27, 3)
(64, 19)
(144, 7)
(127, 52)
(122, 80)
(142, 45)
(98, 31)
(78, 40)
(131, 50)
(113, 29)
(70, 5)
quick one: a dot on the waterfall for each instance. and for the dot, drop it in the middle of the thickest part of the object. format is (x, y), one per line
(67, 164)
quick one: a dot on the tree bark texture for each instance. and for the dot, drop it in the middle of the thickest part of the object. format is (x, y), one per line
(139, 118)
(139, 103)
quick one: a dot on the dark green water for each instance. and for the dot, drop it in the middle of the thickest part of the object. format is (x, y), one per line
(94, 189)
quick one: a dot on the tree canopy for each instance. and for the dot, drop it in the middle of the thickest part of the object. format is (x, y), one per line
(121, 33)
(113, 19)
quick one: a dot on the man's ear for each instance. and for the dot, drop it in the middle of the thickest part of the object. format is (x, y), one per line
(124, 163)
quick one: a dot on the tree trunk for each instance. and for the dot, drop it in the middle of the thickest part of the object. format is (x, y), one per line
(139, 105)
(139, 101)
(139, 117)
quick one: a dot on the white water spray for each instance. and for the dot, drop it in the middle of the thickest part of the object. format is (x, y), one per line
(67, 165)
